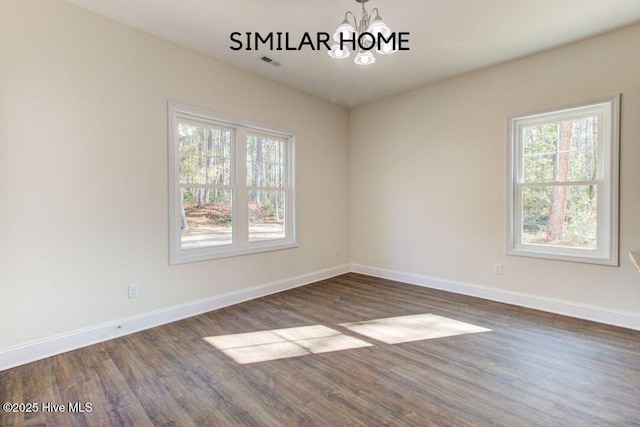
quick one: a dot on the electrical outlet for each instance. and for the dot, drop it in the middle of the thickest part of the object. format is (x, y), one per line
(497, 268)
(134, 290)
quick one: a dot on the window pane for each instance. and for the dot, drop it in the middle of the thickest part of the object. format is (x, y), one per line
(205, 154)
(584, 134)
(539, 168)
(540, 139)
(266, 215)
(582, 165)
(265, 161)
(563, 216)
(205, 217)
(561, 151)
(192, 169)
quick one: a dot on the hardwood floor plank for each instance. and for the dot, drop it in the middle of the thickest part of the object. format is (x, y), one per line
(120, 403)
(135, 366)
(531, 369)
(39, 384)
(11, 392)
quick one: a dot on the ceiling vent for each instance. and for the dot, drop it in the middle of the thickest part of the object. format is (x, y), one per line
(270, 61)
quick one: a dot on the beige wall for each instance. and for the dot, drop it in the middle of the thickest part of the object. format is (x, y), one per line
(428, 173)
(83, 171)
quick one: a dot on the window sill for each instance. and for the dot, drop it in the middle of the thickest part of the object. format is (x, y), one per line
(184, 257)
(587, 258)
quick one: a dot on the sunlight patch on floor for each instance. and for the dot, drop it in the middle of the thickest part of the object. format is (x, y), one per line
(395, 330)
(262, 346)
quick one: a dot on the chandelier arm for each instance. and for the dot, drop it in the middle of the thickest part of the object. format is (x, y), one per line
(355, 20)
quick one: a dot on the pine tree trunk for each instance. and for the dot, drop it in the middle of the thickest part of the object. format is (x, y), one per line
(558, 205)
(209, 162)
(258, 174)
(183, 216)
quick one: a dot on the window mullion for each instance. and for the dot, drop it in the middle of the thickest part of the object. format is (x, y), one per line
(274, 188)
(558, 183)
(241, 201)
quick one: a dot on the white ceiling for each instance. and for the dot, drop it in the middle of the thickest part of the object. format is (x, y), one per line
(448, 37)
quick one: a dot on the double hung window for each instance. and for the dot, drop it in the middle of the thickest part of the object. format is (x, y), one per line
(231, 186)
(563, 184)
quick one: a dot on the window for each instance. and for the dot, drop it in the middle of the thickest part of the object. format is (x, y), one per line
(231, 186)
(563, 184)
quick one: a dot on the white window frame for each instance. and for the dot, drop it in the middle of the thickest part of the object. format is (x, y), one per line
(607, 181)
(240, 217)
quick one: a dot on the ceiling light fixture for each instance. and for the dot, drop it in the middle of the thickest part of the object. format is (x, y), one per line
(363, 37)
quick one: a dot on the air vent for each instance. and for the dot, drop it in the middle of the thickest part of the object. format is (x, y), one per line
(270, 61)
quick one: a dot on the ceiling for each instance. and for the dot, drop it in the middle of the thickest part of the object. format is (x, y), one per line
(447, 37)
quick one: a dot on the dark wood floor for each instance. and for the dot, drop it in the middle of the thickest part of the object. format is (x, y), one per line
(532, 369)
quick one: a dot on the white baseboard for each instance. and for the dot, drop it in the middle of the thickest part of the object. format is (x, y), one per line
(557, 306)
(39, 349)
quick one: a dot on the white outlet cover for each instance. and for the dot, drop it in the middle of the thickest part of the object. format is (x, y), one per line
(134, 290)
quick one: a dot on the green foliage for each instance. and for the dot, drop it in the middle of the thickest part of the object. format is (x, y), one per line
(265, 161)
(267, 206)
(205, 155)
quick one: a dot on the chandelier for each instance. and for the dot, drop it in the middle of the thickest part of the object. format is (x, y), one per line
(363, 37)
